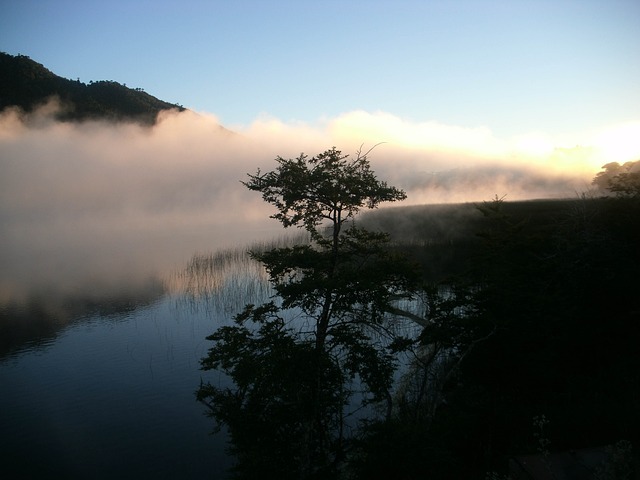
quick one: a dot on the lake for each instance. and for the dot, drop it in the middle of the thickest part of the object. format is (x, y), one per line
(110, 391)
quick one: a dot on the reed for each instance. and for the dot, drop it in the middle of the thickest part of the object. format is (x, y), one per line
(224, 281)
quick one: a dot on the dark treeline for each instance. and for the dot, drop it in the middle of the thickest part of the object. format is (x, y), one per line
(542, 313)
(27, 84)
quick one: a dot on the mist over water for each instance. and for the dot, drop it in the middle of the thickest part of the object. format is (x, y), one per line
(95, 207)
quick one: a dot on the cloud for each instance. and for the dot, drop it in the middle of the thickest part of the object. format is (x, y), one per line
(448, 163)
(427, 136)
(95, 200)
(88, 201)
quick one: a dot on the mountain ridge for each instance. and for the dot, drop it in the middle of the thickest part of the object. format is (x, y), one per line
(27, 84)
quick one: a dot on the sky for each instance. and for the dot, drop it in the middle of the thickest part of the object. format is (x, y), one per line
(559, 68)
(465, 100)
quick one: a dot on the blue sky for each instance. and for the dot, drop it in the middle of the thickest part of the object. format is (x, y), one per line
(511, 66)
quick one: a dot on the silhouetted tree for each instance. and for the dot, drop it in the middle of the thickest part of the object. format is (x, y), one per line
(298, 363)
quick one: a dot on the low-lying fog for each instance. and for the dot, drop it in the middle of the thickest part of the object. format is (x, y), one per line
(95, 206)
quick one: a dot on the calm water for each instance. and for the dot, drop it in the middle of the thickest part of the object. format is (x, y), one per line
(113, 396)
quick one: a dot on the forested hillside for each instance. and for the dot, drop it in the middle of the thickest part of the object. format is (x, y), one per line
(27, 84)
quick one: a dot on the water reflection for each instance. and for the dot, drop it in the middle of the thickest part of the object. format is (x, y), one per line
(221, 283)
(112, 396)
(104, 387)
(38, 319)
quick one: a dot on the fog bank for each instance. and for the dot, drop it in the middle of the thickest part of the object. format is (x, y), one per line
(98, 204)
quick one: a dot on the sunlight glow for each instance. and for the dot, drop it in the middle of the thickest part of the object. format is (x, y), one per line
(620, 143)
(385, 127)
(534, 144)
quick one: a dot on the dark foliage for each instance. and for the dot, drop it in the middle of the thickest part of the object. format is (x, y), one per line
(267, 410)
(545, 322)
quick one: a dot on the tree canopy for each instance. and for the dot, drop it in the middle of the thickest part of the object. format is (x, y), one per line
(299, 375)
(327, 187)
(621, 180)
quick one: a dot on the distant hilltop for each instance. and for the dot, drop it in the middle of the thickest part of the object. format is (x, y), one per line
(27, 84)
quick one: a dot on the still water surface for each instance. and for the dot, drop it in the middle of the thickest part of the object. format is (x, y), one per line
(113, 396)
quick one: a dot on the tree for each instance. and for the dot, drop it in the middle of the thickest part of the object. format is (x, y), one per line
(298, 364)
(622, 180)
(626, 184)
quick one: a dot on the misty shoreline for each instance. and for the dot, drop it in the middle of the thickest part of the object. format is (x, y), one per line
(38, 310)
(94, 211)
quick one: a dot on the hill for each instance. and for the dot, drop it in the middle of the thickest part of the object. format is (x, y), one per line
(27, 84)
